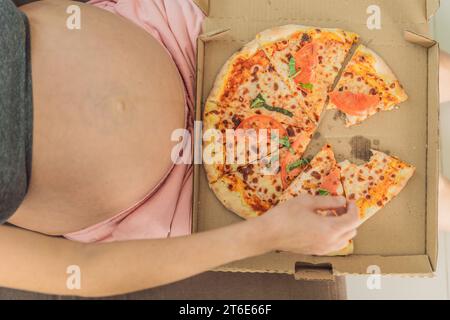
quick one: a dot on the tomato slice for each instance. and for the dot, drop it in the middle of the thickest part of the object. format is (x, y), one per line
(288, 158)
(355, 104)
(305, 61)
(331, 182)
(263, 122)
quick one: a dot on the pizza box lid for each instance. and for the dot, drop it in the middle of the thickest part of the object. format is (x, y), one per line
(402, 238)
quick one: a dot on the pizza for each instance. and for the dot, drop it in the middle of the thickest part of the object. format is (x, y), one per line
(309, 59)
(265, 106)
(374, 184)
(367, 86)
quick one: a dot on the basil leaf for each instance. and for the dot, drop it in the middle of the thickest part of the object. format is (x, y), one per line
(297, 164)
(307, 86)
(323, 192)
(258, 102)
(292, 69)
(279, 110)
(287, 144)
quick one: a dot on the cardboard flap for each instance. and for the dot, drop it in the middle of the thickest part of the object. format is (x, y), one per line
(419, 39)
(213, 35)
(314, 272)
(203, 5)
(432, 7)
(433, 152)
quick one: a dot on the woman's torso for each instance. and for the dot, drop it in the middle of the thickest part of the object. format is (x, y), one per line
(106, 100)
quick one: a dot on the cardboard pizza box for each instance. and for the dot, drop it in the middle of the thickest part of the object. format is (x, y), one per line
(402, 238)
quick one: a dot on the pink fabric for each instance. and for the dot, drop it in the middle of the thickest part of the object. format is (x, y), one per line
(166, 211)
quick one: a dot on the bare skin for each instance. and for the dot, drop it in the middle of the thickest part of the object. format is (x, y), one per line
(98, 149)
(106, 100)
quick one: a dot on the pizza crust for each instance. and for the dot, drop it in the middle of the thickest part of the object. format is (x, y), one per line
(287, 31)
(231, 193)
(348, 250)
(245, 53)
(215, 170)
(386, 72)
(280, 33)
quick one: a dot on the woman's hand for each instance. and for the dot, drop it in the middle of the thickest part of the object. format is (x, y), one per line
(296, 226)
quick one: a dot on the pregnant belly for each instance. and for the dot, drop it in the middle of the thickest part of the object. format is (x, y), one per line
(106, 100)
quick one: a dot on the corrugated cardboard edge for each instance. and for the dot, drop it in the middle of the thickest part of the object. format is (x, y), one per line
(320, 268)
(431, 9)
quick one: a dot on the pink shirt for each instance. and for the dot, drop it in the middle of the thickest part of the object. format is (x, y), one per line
(166, 211)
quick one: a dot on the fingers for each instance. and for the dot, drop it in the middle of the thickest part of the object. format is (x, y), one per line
(324, 202)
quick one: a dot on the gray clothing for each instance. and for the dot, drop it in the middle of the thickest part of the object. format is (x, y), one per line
(16, 109)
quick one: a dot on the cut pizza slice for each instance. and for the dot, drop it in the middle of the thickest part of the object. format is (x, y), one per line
(309, 59)
(321, 177)
(238, 197)
(249, 84)
(367, 86)
(250, 190)
(375, 183)
(233, 136)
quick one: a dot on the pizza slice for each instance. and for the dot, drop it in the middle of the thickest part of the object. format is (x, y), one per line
(250, 190)
(309, 60)
(321, 177)
(238, 197)
(249, 84)
(233, 136)
(375, 183)
(367, 86)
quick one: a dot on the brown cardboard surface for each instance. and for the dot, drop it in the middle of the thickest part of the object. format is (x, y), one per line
(203, 4)
(402, 238)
